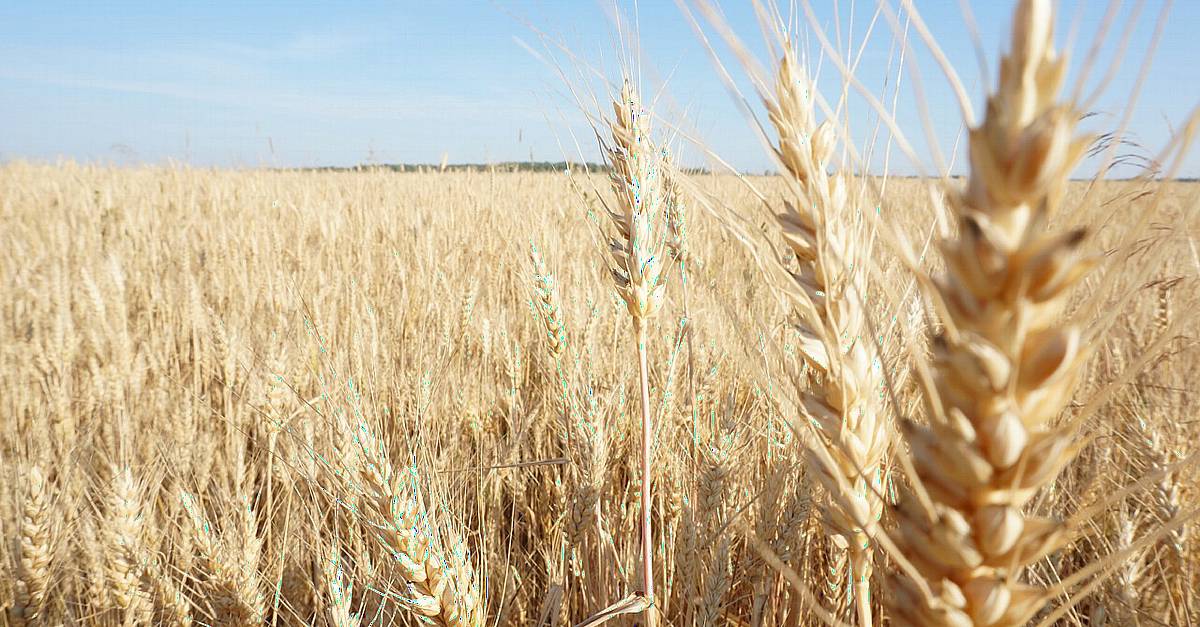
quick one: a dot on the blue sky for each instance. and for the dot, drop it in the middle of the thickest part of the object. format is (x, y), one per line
(308, 83)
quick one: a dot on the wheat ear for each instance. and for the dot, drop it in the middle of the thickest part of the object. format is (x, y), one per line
(1004, 368)
(826, 235)
(236, 599)
(589, 450)
(340, 593)
(174, 606)
(33, 568)
(545, 289)
(440, 580)
(123, 538)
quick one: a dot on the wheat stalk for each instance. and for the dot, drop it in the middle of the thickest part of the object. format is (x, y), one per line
(1004, 367)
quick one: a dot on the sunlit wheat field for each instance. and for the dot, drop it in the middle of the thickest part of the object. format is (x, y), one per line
(194, 358)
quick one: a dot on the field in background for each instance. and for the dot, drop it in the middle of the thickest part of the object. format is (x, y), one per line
(223, 335)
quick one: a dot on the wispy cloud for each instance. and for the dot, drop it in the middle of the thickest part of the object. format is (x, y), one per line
(299, 46)
(307, 100)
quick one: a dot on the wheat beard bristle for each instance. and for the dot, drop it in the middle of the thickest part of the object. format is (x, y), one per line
(1003, 369)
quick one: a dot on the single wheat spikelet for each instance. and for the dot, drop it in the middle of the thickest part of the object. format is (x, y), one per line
(827, 237)
(1004, 368)
(33, 567)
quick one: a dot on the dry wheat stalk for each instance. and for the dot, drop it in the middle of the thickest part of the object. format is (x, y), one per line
(1004, 367)
(827, 237)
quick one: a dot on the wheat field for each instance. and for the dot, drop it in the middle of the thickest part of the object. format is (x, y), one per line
(174, 332)
(635, 396)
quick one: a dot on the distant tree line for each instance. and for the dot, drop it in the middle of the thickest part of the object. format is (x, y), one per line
(503, 166)
(561, 166)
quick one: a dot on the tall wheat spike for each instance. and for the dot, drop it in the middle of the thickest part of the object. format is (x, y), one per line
(638, 265)
(545, 289)
(827, 236)
(1004, 367)
(234, 594)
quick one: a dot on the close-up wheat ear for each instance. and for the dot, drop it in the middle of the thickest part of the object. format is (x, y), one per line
(1004, 366)
(831, 248)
